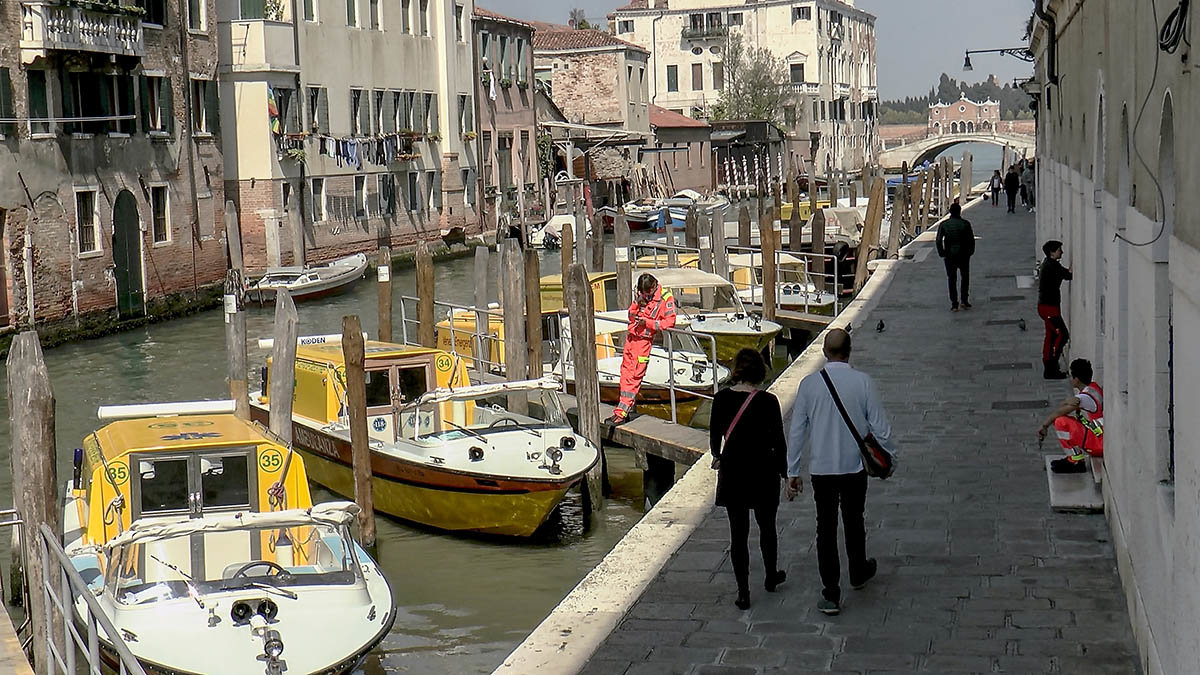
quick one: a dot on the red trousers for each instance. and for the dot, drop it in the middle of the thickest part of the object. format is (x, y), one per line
(633, 369)
(1056, 332)
(1075, 439)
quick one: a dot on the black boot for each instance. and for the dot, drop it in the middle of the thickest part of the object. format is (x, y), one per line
(1051, 371)
(743, 599)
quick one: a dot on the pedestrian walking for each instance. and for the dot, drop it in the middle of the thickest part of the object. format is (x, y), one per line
(956, 244)
(996, 184)
(652, 310)
(1022, 186)
(1012, 182)
(1051, 274)
(1078, 422)
(1028, 182)
(835, 462)
(750, 454)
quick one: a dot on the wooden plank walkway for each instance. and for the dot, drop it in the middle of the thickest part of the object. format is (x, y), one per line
(12, 658)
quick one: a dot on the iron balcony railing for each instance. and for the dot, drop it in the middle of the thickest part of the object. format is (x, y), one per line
(704, 32)
(49, 25)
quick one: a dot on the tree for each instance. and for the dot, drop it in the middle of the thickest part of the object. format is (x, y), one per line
(756, 84)
(578, 20)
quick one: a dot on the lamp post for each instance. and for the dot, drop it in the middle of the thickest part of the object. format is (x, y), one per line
(1022, 53)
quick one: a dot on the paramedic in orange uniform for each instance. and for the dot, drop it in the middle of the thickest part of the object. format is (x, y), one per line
(653, 309)
(1079, 421)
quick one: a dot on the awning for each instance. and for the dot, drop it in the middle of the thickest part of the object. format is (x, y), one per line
(329, 513)
(727, 135)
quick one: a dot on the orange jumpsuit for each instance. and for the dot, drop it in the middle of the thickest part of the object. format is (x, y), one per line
(1074, 436)
(656, 315)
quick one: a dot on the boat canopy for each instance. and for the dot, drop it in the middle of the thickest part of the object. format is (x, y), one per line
(756, 259)
(442, 395)
(332, 353)
(170, 434)
(678, 277)
(329, 513)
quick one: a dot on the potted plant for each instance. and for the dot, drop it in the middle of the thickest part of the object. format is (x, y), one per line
(506, 83)
(485, 79)
(470, 135)
(294, 154)
(522, 84)
(434, 137)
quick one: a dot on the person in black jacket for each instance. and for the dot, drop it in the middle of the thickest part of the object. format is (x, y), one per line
(1051, 274)
(1012, 183)
(750, 454)
(956, 245)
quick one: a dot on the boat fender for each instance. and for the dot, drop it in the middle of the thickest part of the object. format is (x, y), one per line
(77, 470)
(475, 453)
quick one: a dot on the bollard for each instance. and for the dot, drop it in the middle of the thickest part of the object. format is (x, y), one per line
(426, 326)
(383, 272)
(719, 249)
(354, 353)
(581, 307)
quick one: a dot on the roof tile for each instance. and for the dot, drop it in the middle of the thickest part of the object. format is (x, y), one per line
(569, 40)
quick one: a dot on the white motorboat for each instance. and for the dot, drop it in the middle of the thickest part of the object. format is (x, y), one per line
(794, 289)
(642, 214)
(684, 200)
(549, 234)
(197, 535)
(311, 281)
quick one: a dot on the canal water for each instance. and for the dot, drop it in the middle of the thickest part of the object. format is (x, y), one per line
(464, 602)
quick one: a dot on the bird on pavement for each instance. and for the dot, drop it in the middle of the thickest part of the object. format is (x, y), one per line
(879, 326)
(1021, 324)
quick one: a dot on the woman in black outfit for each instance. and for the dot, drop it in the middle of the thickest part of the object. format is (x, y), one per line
(750, 466)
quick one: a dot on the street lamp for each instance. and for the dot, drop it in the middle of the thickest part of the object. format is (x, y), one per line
(1022, 53)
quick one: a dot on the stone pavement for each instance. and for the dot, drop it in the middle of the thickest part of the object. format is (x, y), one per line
(976, 573)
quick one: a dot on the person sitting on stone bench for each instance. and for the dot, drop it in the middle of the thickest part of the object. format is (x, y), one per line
(1078, 422)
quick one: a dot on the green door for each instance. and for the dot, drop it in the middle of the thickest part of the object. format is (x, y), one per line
(127, 255)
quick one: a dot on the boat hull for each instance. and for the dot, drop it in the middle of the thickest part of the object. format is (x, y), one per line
(423, 494)
(656, 401)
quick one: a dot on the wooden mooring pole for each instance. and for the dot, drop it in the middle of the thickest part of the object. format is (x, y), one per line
(383, 272)
(624, 264)
(35, 476)
(533, 313)
(483, 325)
(581, 227)
(283, 366)
(597, 245)
(870, 233)
(766, 238)
(568, 243)
(720, 252)
(354, 353)
(744, 226)
(578, 296)
(426, 326)
(235, 316)
(512, 278)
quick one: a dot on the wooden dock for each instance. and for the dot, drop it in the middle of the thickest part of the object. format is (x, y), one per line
(12, 657)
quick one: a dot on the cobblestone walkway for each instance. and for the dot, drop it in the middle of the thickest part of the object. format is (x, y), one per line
(976, 573)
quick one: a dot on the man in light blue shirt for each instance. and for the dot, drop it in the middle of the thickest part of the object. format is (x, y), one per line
(835, 463)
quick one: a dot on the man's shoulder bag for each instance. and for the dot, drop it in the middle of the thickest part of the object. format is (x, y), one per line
(878, 462)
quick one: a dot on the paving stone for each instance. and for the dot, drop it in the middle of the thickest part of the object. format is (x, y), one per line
(760, 658)
(722, 640)
(724, 670)
(598, 666)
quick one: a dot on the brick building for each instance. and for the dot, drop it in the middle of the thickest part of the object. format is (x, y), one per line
(507, 129)
(110, 163)
(347, 124)
(963, 116)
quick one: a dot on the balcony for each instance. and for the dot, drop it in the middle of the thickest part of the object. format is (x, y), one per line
(841, 91)
(256, 45)
(711, 32)
(805, 88)
(47, 26)
(870, 93)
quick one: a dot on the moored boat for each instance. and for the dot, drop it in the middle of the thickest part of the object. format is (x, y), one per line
(183, 519)
(311, 281)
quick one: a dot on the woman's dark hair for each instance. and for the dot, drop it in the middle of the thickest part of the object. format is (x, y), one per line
(749, 367)
(1051, 246)
(647, 283)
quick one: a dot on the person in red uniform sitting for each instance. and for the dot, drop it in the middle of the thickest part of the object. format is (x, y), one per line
(1078, 422)
(652, 310)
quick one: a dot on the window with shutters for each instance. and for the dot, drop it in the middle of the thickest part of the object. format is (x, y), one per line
(121, 104)
(433, 183)
(504, 60)
(672, 78)
(155, 12)
(697, 77)
(203, 119)
(156, 105)
(432, 124)
(414, 191)
(377, 113)
(6, 107)
(488, 179)
(39, 108)
(318, 109)
(718, 75)
(398, 119)
(360, 196)
(160, 214)
(318, 199)
(310, 10)
(387, 194)
(526, 154)
(504, 152)
(356, 106)
(406, 16)
(195, 14)
(352, 12)
(423, 10)
(459, 28)
(465, 122)
(485, 57)
(468, 187)
(87, 220)
(519, 57)
(374, 11)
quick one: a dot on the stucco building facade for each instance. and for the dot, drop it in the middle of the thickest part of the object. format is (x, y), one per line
(827, 47)
(348, 124)
(110, 161)
(1116, 183)
(683, 150)
(963, 116)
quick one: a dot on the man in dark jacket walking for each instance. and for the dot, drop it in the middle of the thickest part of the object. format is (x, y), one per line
(1012, 184)
(1051, 274)
(956, 245)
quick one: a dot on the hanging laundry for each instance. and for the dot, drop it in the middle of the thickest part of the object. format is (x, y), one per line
(273, 112)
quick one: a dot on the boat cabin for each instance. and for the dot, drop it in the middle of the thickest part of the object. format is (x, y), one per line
(177, 466)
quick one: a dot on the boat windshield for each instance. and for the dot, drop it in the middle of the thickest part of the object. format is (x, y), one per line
(696, 301)
(534, 410)
(197, 565)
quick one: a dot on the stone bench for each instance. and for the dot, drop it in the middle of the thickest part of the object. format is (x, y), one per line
(1075, 492)
(1097, 465)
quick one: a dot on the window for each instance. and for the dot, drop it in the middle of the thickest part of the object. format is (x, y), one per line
(430, 114)
(160, 224)
(696, 21)
(374, 10)
(718, 75)
(318, 109)
(406, 16)
(487, 159)
(815, 116)
(318, 199)
(468, 187)
(522, 48)
(713, 19)
(797, 73)
(526, 153)
(360, 196)
(735, 18)
(697, 76)
(205, 114)
(459, 31)
(6, 107)
(356, 111)
(289, 115)
(822, 111)
(377, 118)
(465, 123)
(423, 9)
(286, 188)
(351, 12)
(789, 116)
(433, 182)
(801, 13)
(625, 26)
(387, 194)
(195, 12)
(485, 43)
(39, 108)
(414, 192)
(672, 78)
(505, 66)
(87, 219)
(310, 10)
(157, 113)
(400, 119)
(156, 12)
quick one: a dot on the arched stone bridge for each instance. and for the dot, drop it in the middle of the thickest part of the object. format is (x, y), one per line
(916, 152)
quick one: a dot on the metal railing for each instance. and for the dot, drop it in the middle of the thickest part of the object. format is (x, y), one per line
(821, 267)
(659, 256)
(701, 32)
(483, 342)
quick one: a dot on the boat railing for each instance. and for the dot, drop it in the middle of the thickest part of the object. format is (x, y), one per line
(482, 342)
(674, 388)
(659, 255)
(61, 584)
(819, 272)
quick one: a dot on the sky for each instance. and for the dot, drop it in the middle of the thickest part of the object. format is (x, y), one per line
(908, 64)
